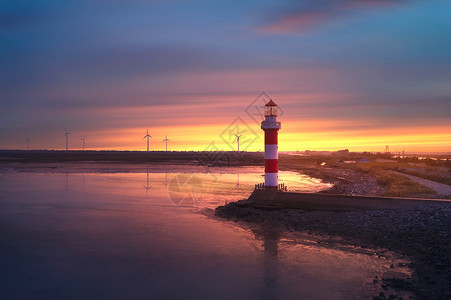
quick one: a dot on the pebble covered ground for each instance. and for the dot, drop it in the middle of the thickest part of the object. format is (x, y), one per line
(346, 181)
(422, 235)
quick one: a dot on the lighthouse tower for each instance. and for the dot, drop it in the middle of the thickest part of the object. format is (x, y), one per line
(271, 127)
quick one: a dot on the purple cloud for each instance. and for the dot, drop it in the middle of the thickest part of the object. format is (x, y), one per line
(302, 16)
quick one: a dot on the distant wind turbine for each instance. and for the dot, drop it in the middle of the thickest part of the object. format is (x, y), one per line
(28, 143)
(83, 139)
(238, 141)
(67, 139)
(166, 140)
(147, 136)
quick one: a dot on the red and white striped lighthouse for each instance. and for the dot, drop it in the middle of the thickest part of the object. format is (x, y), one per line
(271, 127)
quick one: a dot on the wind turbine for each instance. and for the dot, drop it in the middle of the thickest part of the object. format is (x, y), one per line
(28, 143)
(83, 139)
(166, 140)
(238, 141)
(147, 136)
(67, 139)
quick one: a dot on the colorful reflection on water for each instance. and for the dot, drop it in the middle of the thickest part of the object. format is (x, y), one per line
(66, 234)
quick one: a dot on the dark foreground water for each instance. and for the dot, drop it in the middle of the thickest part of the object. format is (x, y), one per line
(65, 234)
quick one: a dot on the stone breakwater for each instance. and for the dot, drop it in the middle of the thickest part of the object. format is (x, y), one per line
(422, 234)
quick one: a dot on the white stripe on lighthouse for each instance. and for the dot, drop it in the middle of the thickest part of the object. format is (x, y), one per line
(271, 151)
(271, 179)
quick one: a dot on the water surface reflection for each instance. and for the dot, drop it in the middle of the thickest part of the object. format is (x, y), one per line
(95, 235)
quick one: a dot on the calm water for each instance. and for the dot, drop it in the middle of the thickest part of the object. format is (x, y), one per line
(65, 234)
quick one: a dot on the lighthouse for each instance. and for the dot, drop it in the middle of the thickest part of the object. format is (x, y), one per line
(271, 127)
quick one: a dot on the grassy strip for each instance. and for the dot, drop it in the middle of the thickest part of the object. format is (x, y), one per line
(400, 186)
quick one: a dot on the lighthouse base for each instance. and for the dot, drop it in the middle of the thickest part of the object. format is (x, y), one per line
(280, 187)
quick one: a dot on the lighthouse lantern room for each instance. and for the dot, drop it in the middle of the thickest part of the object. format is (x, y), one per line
(271, 127)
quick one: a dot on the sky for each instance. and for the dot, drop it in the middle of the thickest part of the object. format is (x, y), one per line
(346, 74)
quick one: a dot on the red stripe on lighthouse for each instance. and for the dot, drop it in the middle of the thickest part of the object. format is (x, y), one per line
(271, 136)
(271, 166)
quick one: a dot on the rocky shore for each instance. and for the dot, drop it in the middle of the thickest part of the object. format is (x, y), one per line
(422, 235)
(345, 181)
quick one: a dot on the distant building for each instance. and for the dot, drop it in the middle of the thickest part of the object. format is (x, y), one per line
(342, 152)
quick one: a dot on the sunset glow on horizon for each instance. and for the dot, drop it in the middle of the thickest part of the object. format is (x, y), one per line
(348, 74)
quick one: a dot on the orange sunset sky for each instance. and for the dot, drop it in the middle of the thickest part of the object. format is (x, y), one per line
(347, 74)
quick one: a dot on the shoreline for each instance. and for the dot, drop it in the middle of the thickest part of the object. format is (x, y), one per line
(369, 179)
(421, 234)
(345, 181)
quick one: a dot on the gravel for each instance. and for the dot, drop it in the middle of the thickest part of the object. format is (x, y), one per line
(346, 181)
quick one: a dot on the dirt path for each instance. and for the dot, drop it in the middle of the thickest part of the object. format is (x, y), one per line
(439, 188)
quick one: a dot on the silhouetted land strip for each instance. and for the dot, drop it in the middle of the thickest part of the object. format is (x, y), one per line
(213, 158)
